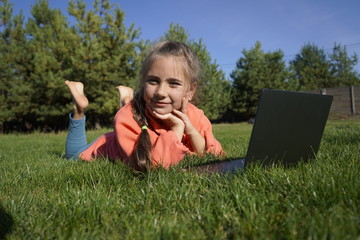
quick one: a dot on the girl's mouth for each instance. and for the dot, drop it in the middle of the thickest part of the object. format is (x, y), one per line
(160, 104)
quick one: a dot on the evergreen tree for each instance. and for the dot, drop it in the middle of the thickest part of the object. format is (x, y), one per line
(214, 90)
(106, 55)
(254, 71)
(51, 46)
(311, 69)
(14, 90)
(342, 67)
(5, 60)
(36, 60)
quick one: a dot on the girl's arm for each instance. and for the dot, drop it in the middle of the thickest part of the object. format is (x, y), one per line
(197, 140)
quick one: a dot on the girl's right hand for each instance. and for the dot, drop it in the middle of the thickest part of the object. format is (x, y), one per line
(172, 121)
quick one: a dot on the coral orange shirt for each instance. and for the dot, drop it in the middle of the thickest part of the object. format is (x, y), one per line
(167, 150)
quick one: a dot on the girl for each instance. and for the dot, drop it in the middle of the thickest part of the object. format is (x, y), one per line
(157, 127)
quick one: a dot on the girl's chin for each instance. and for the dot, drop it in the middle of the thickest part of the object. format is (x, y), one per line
(162, 111)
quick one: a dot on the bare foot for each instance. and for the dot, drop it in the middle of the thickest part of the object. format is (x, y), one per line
(80, 101)
(126, 94)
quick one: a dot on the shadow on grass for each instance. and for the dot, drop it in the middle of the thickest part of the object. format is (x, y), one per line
(236, 165)
(230, 165)
(6, 223)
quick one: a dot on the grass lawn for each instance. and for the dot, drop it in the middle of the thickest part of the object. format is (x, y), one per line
(44, 196)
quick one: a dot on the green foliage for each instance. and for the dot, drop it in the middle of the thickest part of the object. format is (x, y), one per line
(106, 56)
(44, 196)
(311, 68)
(342, 67)
(51, 44)
(314, 69)
(14, 89)
(37, 58)
(254, 71)
(214, 90)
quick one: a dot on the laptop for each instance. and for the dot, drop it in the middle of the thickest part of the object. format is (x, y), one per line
(288, 129)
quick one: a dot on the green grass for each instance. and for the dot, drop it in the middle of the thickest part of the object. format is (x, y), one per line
(44, 196)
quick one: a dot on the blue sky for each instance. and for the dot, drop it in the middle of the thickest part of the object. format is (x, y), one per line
(229, 26)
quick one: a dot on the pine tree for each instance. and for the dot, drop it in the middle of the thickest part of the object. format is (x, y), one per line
(107, 55)
(311, 69)
(342, 67)
(36, 60)
(14, 90)
(51, 45)
(254, 71)
(5, 61)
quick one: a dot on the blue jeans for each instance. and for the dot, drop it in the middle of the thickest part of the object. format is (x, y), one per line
(76, 141)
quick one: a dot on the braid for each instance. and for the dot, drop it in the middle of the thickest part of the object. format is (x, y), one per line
(143, 146)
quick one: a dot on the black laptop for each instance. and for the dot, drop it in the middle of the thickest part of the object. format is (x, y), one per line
(288, 128)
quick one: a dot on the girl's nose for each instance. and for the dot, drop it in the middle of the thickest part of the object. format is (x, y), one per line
(161, 91)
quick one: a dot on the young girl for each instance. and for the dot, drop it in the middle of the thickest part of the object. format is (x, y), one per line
(157, 127)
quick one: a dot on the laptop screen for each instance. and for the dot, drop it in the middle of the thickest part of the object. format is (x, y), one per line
(288, 126)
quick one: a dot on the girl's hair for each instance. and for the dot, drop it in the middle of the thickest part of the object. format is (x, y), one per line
(187, 58)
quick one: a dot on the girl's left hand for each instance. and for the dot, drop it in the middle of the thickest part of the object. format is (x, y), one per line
(197, 139)
(182, 114)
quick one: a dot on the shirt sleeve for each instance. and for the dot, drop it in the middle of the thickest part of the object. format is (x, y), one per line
(212, 145)
(167, 149)
(204, 126)
(126, 133)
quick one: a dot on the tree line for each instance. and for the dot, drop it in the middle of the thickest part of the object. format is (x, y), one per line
(38, 54)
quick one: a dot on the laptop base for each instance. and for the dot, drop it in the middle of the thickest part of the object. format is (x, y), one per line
(225, 166)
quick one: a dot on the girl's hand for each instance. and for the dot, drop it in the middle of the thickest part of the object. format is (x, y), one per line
(197, 139)
(179, 123)
(172, 121)
(182, 114)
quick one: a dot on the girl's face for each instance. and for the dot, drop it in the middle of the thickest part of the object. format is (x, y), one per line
(166, 84)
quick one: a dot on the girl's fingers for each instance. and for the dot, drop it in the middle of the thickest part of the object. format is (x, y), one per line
(180, 114)
(162, 116)
(170, 117)
(157, 115)
(184, 103)
(184, 118)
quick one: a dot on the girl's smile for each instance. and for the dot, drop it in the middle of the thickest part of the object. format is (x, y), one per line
(166, 84)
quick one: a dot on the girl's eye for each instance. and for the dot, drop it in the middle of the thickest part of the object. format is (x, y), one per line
(152, 81)
(175, 84)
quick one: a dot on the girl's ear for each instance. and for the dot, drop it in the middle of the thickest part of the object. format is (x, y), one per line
(191, 91)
